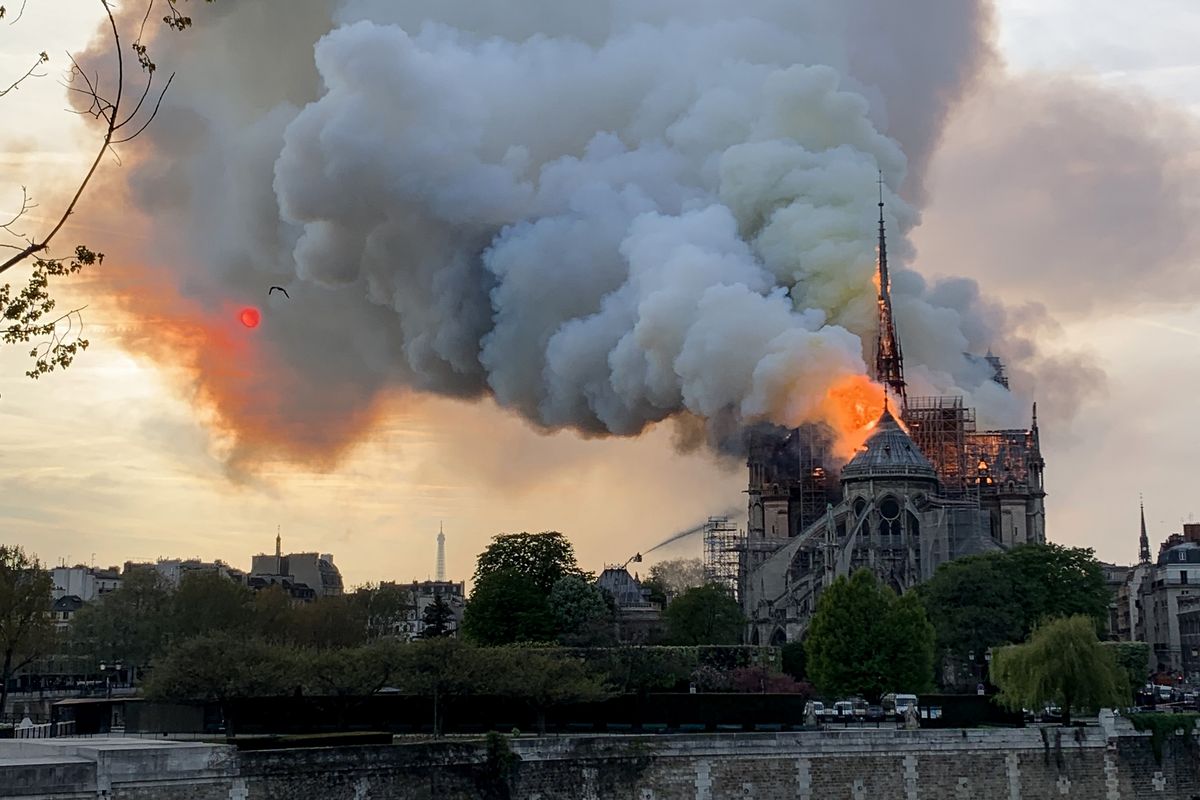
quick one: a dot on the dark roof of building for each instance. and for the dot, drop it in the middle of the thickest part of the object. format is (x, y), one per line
(888, 453)
(67, 602)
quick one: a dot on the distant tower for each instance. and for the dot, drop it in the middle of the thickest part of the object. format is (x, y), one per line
(1144, 541)
(441, 555)
(278, 543)
(889, 362)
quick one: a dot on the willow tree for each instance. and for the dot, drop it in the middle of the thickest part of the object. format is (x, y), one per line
(1062, 663)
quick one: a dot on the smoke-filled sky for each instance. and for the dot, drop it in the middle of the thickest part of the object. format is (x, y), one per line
(544, 262)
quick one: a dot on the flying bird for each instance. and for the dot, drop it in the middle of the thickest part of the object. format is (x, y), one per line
(281, 289)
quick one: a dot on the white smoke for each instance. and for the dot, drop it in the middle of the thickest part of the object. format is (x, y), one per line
(601, 214)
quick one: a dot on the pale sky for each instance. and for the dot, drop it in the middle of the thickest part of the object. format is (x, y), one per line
(109, 461)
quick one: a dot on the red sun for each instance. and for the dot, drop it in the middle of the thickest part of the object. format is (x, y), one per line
(250, 317)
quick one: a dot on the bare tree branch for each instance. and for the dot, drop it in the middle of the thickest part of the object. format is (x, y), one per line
(32, 72)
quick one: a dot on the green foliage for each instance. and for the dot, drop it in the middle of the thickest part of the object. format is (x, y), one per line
(352, 671)
(437, 618)
(704, 615)
(540, 677)
(542, 558)
(27, 315)
(640, 670)
(1134, 659)
(336, 621)
(384, 607)
(129, 625)
(795, 660)
(582, 614)
(864, 640)
(1162, 726)
(222, 666)
(507, 607)
(25, 629)
(1064, 663)
(999, 598)
(208, 601)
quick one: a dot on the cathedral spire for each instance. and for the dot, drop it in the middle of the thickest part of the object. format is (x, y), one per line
(1144, 541)
(889, 362)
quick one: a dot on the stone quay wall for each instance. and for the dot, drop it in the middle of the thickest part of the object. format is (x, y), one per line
(1111, 763)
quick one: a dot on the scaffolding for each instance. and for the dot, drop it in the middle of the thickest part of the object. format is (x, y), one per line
(940, 427)
(722, 544)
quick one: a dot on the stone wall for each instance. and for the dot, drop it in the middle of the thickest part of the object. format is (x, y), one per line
(883, 764)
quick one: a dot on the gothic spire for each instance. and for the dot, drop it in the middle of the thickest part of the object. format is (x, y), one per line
(1144, 541)
(889, 361)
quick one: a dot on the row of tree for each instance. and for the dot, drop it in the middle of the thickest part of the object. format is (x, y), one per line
(864, 640)
(529, 588)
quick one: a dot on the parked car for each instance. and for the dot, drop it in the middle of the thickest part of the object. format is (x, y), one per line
(844, 710)
(817, 708)
(875, 713)
(1051, 713)
(860, 708)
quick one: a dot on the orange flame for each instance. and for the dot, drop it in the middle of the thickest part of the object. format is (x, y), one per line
(852, 407)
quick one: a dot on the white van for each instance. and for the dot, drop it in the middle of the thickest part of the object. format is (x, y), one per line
(901, 703)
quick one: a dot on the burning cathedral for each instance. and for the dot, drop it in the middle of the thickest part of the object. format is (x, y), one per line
(925, 488)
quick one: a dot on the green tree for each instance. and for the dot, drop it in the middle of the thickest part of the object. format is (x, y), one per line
(999, 598)
(582, 615)
(542, 679)
(794, 660)
(704, 615)
(1134, 659)
(436, 668)
(208, 601)
(508, 607)
(438, 619)
(25, 630)
(130, 625)
(543, 558)
(385, 606)
(222, 666)
(864, 640)
(1064, 663)
(273, 614)
(334, 621)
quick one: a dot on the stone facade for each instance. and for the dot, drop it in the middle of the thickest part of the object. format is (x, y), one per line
(1027, 764)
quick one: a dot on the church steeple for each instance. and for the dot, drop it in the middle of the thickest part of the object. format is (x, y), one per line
(889, 361)
(1144, 541)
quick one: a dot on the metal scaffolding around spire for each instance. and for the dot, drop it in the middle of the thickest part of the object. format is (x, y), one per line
(889, 361)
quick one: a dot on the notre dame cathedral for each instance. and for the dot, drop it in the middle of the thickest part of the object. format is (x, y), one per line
(926, 488)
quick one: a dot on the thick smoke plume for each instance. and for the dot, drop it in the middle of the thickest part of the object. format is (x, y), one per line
(602, 215)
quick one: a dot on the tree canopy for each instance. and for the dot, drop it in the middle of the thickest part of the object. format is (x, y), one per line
(704, 615)
(1063, 663)
(865, 640)
(999, 598)
(507, 607)
(582, 614)
(25, 629)
(542, 558)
